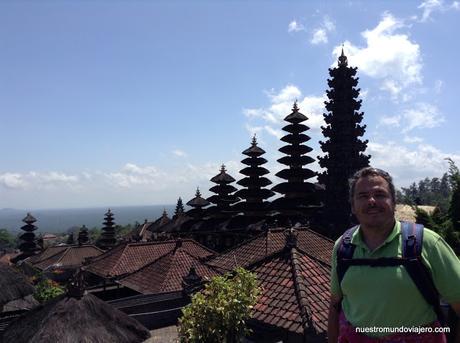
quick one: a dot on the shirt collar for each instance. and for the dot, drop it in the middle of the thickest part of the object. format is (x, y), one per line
(357, 238)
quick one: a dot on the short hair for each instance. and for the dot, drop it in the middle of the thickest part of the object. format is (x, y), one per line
(371, 171)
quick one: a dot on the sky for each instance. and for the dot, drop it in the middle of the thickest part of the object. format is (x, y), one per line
(114, 103)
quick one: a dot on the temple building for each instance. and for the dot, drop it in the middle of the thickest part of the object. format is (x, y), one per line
(343, 148)
(107, 239)
(300, 197)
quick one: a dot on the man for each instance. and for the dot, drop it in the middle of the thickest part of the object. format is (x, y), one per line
(386, 297)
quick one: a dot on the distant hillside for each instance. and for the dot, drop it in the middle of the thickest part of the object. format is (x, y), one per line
(59, 220)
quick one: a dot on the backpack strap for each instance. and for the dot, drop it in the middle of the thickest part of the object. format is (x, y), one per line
(345, 253)
(412, 243)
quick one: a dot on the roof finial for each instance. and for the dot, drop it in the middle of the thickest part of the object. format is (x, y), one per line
(222, 168)
(343, 61)
(295, 108)
(198, 193)
(254, 140)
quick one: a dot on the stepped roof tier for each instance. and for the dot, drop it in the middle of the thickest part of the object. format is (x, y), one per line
(83, 237)
(14, 285)
(107, 239)
(127, 258)
(166, 274)
(254, 205)
(299, 197)
(28, 242)
(343, 148)
(223, 197)
(72, 319)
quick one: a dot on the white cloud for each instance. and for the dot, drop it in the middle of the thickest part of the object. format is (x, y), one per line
(12, 180)
(407, 165)
(431, 6)
(412, 139)
(390, 121)
(38, 181)
(319, 34)
(388, 56)
(422, 116)
(133, 175)
(179, 153)
(288, 93)
(281, 105)
(438, 86)
(428, 7)
(294, 26)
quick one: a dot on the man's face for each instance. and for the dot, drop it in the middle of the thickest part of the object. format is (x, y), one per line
(372, 203)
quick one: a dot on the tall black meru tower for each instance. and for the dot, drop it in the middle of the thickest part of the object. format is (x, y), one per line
(28, 243)
(107, 239)
(254, 206)
(343, 148)
(300, 197)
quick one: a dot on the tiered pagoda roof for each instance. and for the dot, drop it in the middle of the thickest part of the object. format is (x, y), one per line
(299, 195)
(83, 237)
(343, 148)
(223, 196)
(107, 239)
(197, 204)
(254, 192)
(28, 243)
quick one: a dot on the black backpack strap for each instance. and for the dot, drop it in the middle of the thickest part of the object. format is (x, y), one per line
(345, 253)
(412, 243)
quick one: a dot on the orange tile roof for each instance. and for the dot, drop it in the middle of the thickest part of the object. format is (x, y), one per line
(67, 256)
(269, 242)
(295, 292)
(166, 273)
(129, 257)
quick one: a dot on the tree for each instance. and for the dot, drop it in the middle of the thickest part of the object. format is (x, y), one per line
(7, 240)
(46, 290)
(219, 313)
(179, 208)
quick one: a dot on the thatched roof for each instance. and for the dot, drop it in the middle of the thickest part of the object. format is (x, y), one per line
(68, 320)
(13, 285)
(407, 212)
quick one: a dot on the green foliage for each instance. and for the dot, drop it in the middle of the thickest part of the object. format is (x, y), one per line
(94, 234)
(121, 230)
(446, 223)
(434, 192)
(7, 240)
(179, 208)
(47, 289)
(219, 313)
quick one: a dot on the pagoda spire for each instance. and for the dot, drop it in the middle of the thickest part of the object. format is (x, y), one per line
(107, 239)
(299, 195)
(343, 148)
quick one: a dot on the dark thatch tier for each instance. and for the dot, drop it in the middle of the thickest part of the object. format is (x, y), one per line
(66, 319)
(13, 284)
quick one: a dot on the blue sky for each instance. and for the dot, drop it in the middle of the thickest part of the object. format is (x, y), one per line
(106, 103)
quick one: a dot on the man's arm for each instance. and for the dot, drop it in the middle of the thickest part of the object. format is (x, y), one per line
(333, 319)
